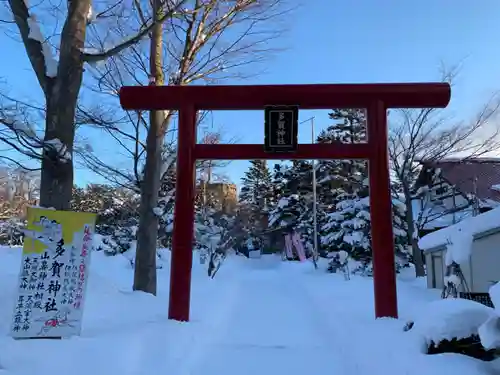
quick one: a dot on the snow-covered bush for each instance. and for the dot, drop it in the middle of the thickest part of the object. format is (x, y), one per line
(339, 262)
(11, 232)
(117, 239)
(213, 238)
(117, 215)
(348, 228)
(453, 326)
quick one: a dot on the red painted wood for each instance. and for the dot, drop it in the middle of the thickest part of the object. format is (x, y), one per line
(384, 275)
(304, 151)
(182, 242)
(394, 95)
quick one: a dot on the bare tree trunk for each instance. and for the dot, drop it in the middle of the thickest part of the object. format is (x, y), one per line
(56, 184)
(145, 260)
(61, 88)
(61, 95)
(57, 175)
(416, 253)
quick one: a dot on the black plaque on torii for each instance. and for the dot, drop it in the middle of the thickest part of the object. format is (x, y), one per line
(281, 128)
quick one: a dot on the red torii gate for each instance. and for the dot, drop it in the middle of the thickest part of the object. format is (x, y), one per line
(376, 98)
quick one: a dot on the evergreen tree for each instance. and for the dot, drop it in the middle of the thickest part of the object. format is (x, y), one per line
(166, 197)
(344, 190)
(287, 212)
(336, 178)
(117, 214)
(295, 194)
(294, 208)
(279, 184)
(349, 229)
(255, 195)
(402, 245)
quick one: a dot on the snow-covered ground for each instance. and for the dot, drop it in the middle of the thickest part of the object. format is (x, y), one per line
(257, 316)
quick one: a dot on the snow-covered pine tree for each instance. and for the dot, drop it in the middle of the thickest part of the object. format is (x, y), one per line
(339, 177)
(291, 194)
(344, 186)
(402, 245)
(294, 205)
(279, 184)
(117, 214)
(287, 213)
(166, 197)
(299, 177)
(255, 195)
(349, 229)
(165, 209)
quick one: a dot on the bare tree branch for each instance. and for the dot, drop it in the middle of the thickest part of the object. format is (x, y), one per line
(145, 30)
(428, 135)
(209, 41)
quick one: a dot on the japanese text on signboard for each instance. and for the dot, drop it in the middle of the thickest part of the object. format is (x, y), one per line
(53, 277)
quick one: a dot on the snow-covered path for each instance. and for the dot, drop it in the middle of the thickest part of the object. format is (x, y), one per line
(287, 338)
(285, 319)
(257, 316)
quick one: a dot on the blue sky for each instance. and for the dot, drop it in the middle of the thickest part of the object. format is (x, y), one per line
(355, 41)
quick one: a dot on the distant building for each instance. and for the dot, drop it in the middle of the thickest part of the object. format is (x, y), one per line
(223, 195)
(447, 191)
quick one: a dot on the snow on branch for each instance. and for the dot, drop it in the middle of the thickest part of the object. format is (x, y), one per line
(59, 147)
(37, 47)
(35, 33)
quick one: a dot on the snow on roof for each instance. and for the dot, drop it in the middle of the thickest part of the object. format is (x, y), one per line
(472, 225)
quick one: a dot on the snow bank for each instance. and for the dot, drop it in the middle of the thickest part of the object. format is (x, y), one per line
(470, 226)
(489, 332)
(124, 332)
(495, 296)
(257, 316)
(451, 318)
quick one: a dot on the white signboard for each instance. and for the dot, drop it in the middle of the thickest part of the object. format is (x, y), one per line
(54, 271)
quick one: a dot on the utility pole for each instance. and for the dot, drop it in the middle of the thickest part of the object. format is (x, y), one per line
(315, 216)
(475, 202)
